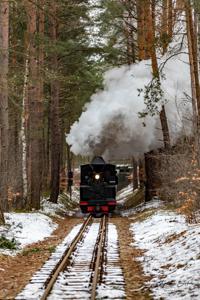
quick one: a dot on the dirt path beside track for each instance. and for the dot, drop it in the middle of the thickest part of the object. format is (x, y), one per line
(133, 273)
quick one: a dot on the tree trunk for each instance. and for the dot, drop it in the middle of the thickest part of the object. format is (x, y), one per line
(143, 29)
(35, 115)
(170, 19)
(135, 173)
(15, 181)
(55, 123)
(15, 184)
(4, 125)
(163, 117)
(55, 142)
(141, 173)
(69, 166)
(129, 32)
(165, 128)
(41, 29)
(192, 40)
(46, 171)
(2, 220)
(24, 127)
(164, 25)
(153, 171)
(194, 70)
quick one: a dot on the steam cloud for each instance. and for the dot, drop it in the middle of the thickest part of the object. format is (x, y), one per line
(110, 124)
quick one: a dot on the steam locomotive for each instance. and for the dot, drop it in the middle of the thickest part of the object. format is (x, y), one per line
(98, 187)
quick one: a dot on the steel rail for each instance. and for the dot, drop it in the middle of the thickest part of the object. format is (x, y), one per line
(99, 257)
(64, 261)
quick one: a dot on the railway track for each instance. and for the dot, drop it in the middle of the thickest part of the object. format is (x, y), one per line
(80, 270)
(99, 258)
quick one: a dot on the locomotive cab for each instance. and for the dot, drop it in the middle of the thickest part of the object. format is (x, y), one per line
(98, 187)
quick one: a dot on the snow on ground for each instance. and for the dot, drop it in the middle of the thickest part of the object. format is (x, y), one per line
(154, 203)
(123, 194)
(26, 228)
(35, 288)
(52, 209)
(79, 272)
(113, 279)
(76, 194)
(74, 282)
(172, 255)
(65, 205)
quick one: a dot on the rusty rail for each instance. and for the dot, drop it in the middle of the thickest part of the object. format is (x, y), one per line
(99, 257)
(64, 261)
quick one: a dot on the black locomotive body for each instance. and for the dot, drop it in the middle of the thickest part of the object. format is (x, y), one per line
(98, 187)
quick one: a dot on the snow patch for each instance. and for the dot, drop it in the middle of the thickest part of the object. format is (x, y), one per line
(52, 209)
(35, 288)
(26, 228)
(153, 204)
(171, 255)
(65, 205)
(123, 194)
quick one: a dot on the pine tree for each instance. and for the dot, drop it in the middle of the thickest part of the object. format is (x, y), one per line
(4, 48)
(34, 122)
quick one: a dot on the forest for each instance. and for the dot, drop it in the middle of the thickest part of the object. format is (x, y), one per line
(53, 58)
(118, 79)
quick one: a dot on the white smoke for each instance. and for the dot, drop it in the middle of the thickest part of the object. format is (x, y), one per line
(110, 123)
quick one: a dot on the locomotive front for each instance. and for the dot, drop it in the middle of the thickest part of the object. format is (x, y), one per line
(98, 187)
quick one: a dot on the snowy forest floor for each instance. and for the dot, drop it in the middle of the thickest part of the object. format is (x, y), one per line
(16, 271)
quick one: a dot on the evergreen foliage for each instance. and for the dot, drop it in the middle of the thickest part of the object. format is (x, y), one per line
(7, 244)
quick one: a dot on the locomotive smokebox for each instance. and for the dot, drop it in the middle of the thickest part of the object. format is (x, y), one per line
(98, 160)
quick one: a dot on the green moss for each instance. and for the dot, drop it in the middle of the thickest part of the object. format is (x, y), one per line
(51, 249)
(46, 194)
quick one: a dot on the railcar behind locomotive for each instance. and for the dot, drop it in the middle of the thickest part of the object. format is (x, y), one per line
(98, 187)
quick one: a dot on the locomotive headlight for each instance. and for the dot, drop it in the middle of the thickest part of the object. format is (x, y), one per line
(97, 176)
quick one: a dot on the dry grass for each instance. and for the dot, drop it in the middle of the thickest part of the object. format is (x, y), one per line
(134, 199)
(180, 178)
(136, 287)
(174, 237)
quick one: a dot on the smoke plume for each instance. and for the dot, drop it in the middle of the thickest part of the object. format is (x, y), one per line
(110, 124)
